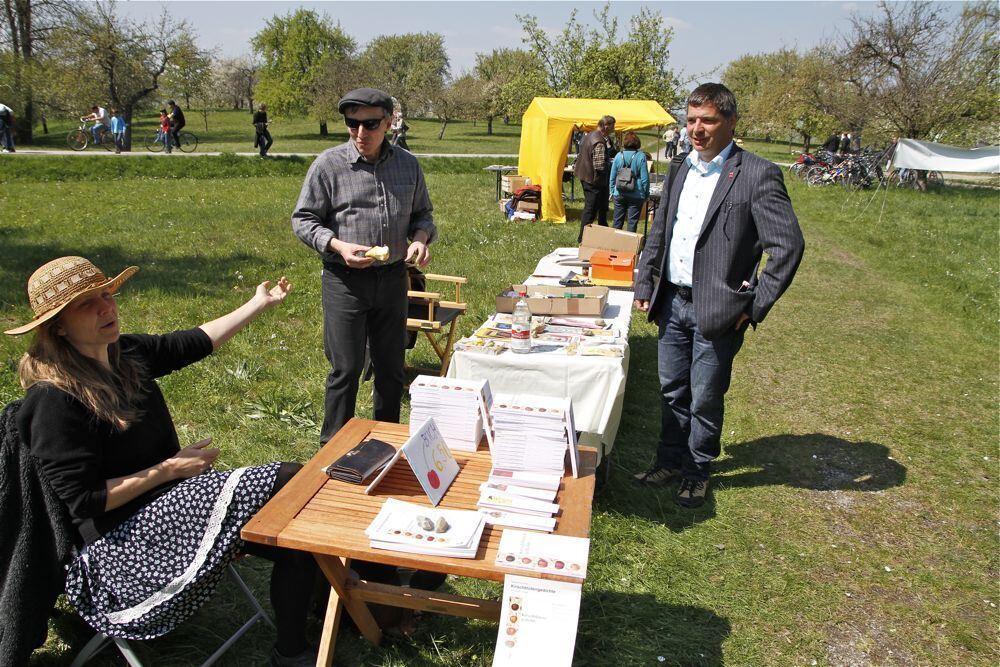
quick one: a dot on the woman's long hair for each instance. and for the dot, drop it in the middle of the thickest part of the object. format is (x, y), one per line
(111, 395)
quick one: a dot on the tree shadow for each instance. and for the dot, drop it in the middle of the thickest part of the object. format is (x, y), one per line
(614, 629)
(812, 461)
(189, 275)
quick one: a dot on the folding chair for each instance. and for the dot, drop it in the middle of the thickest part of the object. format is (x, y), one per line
(433, 317)
(100, 640)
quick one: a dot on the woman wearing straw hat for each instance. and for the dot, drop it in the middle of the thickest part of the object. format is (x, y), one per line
(158, 524)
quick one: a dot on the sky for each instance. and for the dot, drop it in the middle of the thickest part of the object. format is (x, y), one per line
(707, 35)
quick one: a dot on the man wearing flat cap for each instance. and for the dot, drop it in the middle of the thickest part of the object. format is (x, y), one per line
(360, 197)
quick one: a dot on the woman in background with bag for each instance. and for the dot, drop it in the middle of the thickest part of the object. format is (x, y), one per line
(629, 182)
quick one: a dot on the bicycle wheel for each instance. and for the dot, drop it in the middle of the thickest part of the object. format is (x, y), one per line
(153, 143)
(108, 140)
(189, 142)
(77, 140)
(935, 178)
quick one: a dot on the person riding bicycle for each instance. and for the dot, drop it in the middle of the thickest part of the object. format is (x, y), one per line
(102, 122)
(176, 122)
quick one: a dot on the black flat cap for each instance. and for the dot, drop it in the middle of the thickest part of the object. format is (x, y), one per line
(368, 97)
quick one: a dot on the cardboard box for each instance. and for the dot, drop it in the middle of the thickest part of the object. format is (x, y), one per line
(613, 266)
(513, 182)
(592, 303)
(596, 237)
(503, 206)
(529, 206)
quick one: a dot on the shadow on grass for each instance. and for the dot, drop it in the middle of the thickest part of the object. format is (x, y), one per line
(614, 629)
(187, 274)
(814, 461)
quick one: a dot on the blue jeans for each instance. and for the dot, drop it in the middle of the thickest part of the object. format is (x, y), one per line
(6, 135)
(97, 131)
(625, 206)
(694, 378)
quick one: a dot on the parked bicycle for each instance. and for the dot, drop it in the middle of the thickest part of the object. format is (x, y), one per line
(189, 142)
(81, 137)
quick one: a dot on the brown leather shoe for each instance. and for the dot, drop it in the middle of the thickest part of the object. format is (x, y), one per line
(657, 476)
(692, 493)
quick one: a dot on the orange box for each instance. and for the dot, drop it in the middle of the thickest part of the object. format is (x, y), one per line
(612, 265)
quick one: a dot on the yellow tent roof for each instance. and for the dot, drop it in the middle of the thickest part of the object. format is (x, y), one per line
(547, 127)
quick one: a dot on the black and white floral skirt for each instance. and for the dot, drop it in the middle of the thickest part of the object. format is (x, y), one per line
(155, 570)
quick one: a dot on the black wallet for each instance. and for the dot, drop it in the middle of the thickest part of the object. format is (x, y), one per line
(363, 461)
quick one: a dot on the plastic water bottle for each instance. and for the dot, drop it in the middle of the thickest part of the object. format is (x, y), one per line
(520, 326)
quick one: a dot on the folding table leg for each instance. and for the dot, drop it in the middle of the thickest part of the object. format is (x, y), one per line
(336, 571)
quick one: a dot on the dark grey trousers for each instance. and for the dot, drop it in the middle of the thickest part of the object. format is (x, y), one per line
(363, 306)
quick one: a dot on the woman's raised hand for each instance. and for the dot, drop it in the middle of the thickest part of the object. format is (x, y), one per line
(270, 295)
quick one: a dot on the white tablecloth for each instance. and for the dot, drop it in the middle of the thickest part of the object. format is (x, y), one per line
(596, 384)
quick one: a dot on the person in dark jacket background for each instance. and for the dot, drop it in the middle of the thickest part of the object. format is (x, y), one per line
(263, 140)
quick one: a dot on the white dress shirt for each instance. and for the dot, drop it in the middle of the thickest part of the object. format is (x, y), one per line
(692, 206)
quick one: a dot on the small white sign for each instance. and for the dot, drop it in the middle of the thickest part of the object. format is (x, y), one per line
(538, 620)
(429, 458)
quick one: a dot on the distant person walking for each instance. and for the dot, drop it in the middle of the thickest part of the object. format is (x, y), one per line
(6, 129)
(629, 188)
(592, 167)
(177, 122)
(845, 143)
(118, 130)
(263, 139)
(684, 141)
(670, 138)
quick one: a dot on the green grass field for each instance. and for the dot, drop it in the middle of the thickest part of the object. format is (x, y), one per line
(853, 515)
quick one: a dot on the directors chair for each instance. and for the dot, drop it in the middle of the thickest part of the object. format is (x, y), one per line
(434, 317)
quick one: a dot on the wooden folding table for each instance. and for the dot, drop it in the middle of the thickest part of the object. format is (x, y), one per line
(328, 518)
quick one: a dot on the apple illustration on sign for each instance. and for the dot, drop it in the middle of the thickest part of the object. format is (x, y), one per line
(433, 478)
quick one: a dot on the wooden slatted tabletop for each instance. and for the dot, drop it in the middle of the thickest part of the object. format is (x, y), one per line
(324, 516)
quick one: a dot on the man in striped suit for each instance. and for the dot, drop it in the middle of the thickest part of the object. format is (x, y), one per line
(700, 280)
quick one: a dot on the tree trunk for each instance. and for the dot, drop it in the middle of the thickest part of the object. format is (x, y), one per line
(323, 131)
(806, 142)
(24, 121)
(489, 125)
(127, 113)
(250, 103)
(187, 101)
(45, 124)
(441, 133)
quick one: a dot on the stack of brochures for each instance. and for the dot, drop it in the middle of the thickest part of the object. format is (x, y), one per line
(460, 408)
(531, 432)
(402, 526)
(519, 499)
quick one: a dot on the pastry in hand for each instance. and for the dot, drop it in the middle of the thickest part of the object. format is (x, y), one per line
(381, 253)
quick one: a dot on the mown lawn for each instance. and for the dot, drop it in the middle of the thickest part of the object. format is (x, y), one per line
(853, 516)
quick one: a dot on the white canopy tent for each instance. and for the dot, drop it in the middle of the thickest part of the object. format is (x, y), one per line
(913, 154)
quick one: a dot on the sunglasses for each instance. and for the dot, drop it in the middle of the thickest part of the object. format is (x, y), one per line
(369, 124)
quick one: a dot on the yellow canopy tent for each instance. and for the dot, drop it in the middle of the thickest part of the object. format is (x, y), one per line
(547, 127)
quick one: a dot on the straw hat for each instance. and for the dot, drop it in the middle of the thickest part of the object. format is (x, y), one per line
(53, 286)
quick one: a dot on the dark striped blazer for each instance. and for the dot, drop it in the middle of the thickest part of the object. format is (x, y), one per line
(749, 214)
